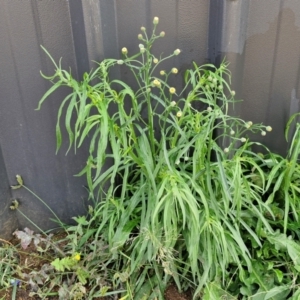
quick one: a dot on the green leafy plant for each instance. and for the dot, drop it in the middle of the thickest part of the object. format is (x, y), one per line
(8, 263)
(177, 211)
(178, 192)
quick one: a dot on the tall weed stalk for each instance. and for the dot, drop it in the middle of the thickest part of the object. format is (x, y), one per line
(175, 187)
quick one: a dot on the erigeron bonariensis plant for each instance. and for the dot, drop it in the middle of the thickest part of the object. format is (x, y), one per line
(172, 199)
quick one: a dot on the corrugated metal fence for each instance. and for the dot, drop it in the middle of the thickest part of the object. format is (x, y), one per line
(260, 39)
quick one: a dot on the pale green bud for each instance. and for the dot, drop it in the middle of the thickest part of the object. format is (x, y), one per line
(269, 128)
(172, 90)
(174, 70)
(179, 114)
(155, 20)
(177, 51)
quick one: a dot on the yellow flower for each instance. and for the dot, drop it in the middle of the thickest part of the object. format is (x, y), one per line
(77, 257)
(179, 114)
(162, 72)
(124, 50)
(172, 90)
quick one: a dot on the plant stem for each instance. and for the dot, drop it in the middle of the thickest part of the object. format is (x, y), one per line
(49, 208)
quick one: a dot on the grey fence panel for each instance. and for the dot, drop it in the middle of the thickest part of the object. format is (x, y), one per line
(27, 137)
(261, 40)
(8, 218)
(79, 32)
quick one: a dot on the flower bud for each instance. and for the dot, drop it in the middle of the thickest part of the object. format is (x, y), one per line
(140, 36)
(155, 60)
(243, 140)
(269, 128)
(120, 62)
(214, 80)
(174, 70)
(143, 29)
(220, 87)
(232, 132)
(124, 50)
(177, 51)
(155, 20)
(179, 114)
(162, 72)
(209, 78)
(156, 83)
(142, 50)
(209, 109)
(226, 150)
(162, 34)
(141, 46)
(173, 103)
(263, 133)
(172, 90)
(232, 93)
